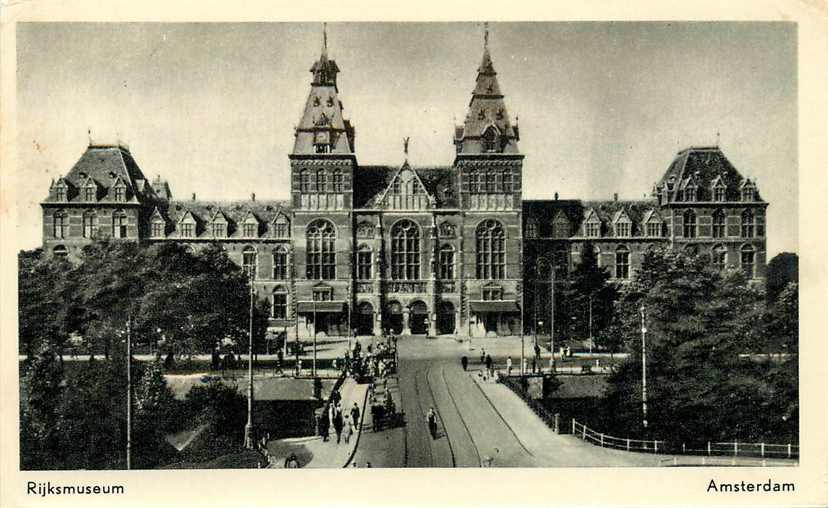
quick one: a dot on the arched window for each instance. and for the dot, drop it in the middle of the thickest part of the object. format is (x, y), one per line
(748, 260)
(748, 224)
(364, 261)
(491, 252)
(622, 262)
(446, 262)
(506, 175)
(690, 224)
(719, 223)
(280, 263)
(60, 224)
(718, 255)
(321, 250)
(278, 308)
(337, 180)
(119, 224)
(249, 261)
(322, 181)
(89, 227)
(305, 181)
(405, 251)
(491, 181)
(490, 139)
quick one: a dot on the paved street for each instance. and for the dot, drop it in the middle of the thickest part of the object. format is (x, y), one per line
(479, 424)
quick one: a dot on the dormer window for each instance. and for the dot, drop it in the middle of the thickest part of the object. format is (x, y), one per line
(622, 229)
(719, 194)
(60, 193)
(592, 229)
(90, 193)
(748, 193)
(654, 229)
(157, 229)
(490, 140)
(281, 227)
(690, 194)
(219, 230)
(560, 226)
(120, 193)
(250, 230)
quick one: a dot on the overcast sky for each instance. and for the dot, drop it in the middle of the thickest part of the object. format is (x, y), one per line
(603, 107)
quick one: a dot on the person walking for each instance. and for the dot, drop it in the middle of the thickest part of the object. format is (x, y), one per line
(489, 364)
(324, 425)
(482, 355)
(355, 415)
(348, 428)
(464, 362)
(525, 366)
(338, 424)
(537, 351)
(508, 366)
(431, 418)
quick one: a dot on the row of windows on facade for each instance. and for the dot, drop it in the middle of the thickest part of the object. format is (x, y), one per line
(691, 194)
(749, 227)
(281, 229)
(90, 193)
(493, 181)
(317, 181)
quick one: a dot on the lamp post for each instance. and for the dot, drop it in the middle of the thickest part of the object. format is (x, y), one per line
(129, 391)
(552, 270)
(643, 368)
(315, 324)
(591, 338)
(248, 428)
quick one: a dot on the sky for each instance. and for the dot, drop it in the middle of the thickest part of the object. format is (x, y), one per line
(603, 107)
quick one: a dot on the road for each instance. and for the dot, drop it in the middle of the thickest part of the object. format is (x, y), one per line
(480, 424)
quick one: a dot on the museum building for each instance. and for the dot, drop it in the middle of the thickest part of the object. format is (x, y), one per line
(437, 250)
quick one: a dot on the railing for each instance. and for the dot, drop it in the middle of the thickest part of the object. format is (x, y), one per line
(550, 419)
(720, 449)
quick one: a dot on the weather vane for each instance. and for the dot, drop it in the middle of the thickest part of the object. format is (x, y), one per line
(405, 147)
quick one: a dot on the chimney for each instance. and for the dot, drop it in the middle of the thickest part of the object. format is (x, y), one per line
(615, 197)
(194, 196)
(252, 196)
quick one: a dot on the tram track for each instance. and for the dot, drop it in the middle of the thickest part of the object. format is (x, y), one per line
(462, 420)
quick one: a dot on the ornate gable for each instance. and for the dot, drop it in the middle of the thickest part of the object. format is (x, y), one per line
(406, 192)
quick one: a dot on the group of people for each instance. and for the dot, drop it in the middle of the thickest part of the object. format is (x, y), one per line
(344, 423)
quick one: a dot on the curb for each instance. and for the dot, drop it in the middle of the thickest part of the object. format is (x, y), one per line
(359, 433)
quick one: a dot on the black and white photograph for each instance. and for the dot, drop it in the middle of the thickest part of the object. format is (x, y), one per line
(407, 245)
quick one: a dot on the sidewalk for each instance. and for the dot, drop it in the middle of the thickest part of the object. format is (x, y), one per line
(311, 450)
(385, 448)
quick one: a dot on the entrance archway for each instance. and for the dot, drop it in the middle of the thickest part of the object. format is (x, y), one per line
(445, 319)
(365, 319)
(394, 318)
(418, 318)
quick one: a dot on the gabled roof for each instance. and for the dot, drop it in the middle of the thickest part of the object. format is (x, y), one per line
(235, 212)
(579, 212)
(219, 216)
(370, 182)
(157, 215)
(397, 176)
(702, 165)
(250, 218)
(621, 215)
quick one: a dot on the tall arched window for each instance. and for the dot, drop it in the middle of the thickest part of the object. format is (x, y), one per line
(322, 180)
(446, 262)
(491, 181)
(60, 224)
(278, 309)
(748, 260)
(89, 226)
(690, 224)
(474, 179)
(119, 224)
(280, 263)
(719, 224)
(249, 261)
(748, 224)
(321, 250)
(305, 181)
(491, 251)
(405, 251)
(337, 180)
(622, 262)
(719, 257)
(506, 175)
(364, 263)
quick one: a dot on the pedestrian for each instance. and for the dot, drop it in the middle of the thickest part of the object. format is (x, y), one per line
(292, 461)
(537, 351)
(525, 366)
(324, 425)
(348, 428)
(464, 362)
(338, 424)
(333, 364)
(431, 418)
(552, 362)
(299, 367)
(534, 365)
(508, 366)
(489, 364)
(355, 415)
(482, 355)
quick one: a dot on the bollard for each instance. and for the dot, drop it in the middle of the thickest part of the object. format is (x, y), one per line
(573, 426)
(675, 461)
(708, 447)
(704, 460)
(583, 432)
(789, 450)
(655, 450)
(602, 440)
(557, 423)
(683, 448)
(628, 444)
(762, 449)
(735, 448)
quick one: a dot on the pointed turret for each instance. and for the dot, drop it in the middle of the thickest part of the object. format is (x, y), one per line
(322, 128)
(487, 127)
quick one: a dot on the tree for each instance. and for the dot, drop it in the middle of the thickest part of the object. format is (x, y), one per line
(42, 310)
(699, 322)
(782, 270)
(41, 390)
(588, 289)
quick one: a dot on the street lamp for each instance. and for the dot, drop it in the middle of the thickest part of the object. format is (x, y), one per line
(248, 428)
(643, 367)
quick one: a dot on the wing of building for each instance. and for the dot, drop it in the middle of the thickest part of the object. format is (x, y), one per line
(407, 249)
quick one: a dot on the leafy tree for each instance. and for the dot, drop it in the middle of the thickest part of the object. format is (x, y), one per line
(223, 410)
(41, 389)
(782, 270)
(588, 287)
(41, 308)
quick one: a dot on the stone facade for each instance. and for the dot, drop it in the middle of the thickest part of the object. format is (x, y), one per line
(406, 249)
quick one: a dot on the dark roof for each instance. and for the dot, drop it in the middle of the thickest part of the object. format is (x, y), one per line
(702, 165)
(235, 212)
(576, 211)
(105, 165)
(371, 181)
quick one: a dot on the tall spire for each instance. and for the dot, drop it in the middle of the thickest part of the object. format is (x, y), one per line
(324, 40)
(487, 127)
